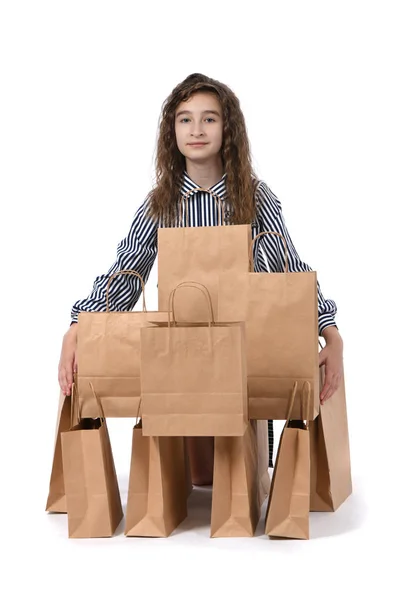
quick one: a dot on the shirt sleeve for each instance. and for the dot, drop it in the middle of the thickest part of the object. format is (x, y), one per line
(137, 251)
(270, 218)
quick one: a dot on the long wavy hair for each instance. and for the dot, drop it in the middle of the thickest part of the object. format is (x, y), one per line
(235, 153)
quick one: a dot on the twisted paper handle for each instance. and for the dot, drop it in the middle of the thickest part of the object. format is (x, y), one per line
(125, 272)
(185, 201)
(193, 284)
(251, 258)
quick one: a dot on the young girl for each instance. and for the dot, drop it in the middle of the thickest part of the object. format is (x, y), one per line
(202, 143)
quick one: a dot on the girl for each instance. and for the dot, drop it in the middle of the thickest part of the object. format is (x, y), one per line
(202, 143)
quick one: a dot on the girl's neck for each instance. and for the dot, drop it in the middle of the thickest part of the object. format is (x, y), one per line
(205, 175)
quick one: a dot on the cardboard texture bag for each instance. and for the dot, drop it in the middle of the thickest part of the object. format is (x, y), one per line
(199, 253)
(56, 500)
(331, 480)
(281, 315)
(158, 485)
(289, 502)
(194, 379)
(108, 353)
(241, 482)
(93, 500)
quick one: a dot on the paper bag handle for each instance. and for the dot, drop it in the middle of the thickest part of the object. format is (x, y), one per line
(185, 199)
(99, 405)
(291, 403)
(251, 258)
(126, 272)
(139, 411)
(307, 385)
(75, 403)
(198, 286)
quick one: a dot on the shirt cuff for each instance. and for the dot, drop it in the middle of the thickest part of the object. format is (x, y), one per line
(325, 321)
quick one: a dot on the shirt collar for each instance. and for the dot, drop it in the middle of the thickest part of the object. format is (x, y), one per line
(188, 186)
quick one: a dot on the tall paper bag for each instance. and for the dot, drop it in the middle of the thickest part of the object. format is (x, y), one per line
(56, 500)
(194, 377)
(199, 254)
(108, 353)
(281, 315)
(331, 482)
(240, 483)
(93, 499)
(289, 503)
(158, 485)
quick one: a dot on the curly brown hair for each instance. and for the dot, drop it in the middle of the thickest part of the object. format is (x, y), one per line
(235, 154)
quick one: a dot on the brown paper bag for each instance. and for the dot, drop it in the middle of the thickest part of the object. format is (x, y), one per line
(281, 315)
(331, 480)
(200, 254)
(194, 378)
(93, 500)
(158, 485)
(240, 484)
(56, 501)
(289, 502)
(108, 353)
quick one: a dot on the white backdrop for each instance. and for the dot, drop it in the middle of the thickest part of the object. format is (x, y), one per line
(82, 84)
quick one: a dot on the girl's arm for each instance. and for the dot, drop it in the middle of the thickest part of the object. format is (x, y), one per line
(137, 251)
(270, 218)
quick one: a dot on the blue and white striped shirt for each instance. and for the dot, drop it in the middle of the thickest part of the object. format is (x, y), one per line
(138, 250)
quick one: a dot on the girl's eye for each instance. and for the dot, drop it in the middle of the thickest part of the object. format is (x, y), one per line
(186, 119)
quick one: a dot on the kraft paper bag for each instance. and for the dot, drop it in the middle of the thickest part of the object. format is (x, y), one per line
(194, 380)
(331, 482)
(200, 254)
(93, 499)
(289, 502)
(56, 500)
(240, 483)
(108, 354)
(281, 315)
(158, 485)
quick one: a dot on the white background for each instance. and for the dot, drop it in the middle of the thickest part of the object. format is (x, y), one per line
(82, 84)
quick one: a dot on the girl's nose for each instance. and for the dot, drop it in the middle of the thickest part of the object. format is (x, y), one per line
(197, 129)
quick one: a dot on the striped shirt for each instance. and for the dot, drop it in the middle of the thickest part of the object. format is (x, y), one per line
(138, 250)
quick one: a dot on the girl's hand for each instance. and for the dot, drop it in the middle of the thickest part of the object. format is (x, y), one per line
(332, 357)
(68, 364)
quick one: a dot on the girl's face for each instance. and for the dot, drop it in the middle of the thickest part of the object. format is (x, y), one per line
(198, 127)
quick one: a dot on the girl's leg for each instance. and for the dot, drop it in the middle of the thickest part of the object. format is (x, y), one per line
(201, 457)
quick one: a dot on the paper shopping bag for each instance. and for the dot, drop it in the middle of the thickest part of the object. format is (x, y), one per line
(240, 483)
(281, 315)
(289, 502)
(194, 377)
(56, 501)
(93, 500)
(331, 482)
(108, 354)
(199, 254)
(158, 485)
